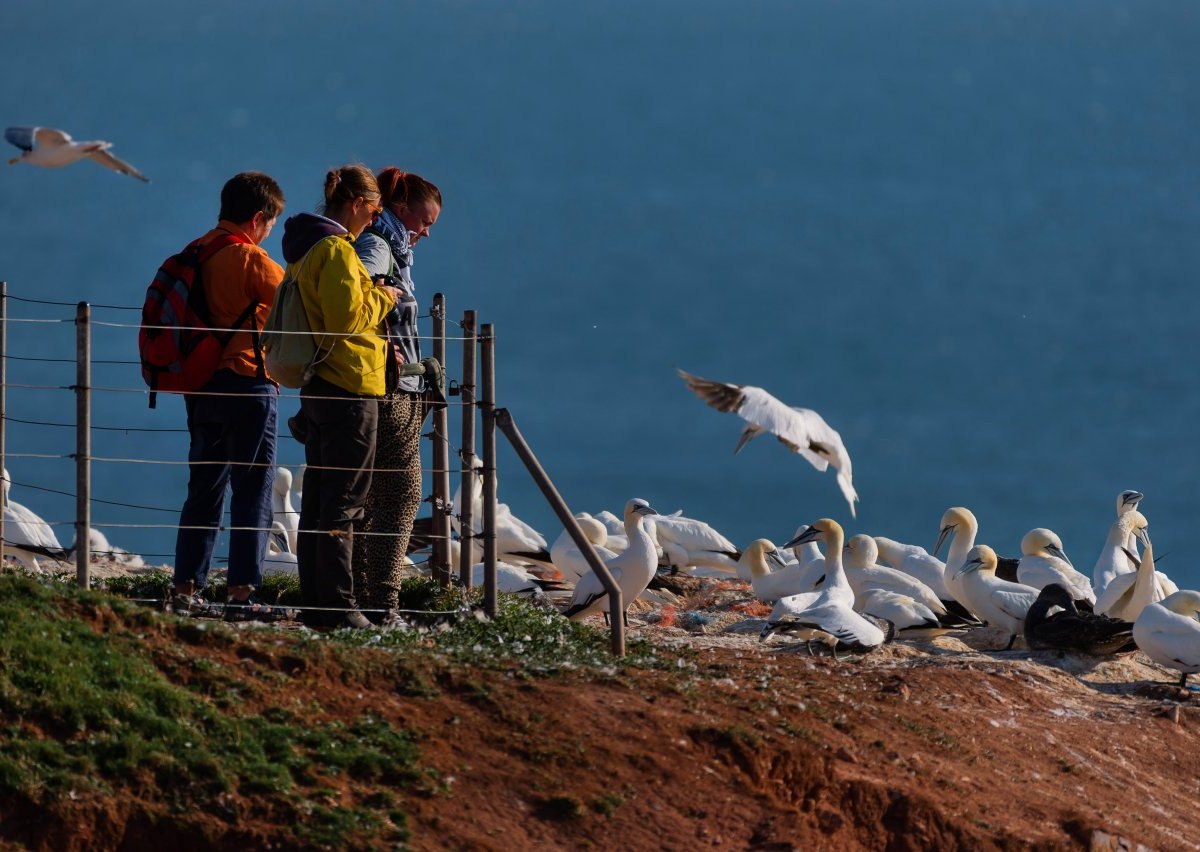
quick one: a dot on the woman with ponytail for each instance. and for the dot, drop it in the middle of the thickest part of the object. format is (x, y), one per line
(411, 206)
(339, 407)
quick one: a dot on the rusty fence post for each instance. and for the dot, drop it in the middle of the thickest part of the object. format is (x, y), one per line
(466, 489)
(487, 407)
(83, 444)
(440, 567)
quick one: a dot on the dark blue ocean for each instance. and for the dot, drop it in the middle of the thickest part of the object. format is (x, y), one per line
(967, 233)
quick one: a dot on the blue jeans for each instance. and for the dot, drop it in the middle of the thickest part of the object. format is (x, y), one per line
(238, 432)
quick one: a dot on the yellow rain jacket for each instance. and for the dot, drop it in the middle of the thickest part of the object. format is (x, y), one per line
(346, 311)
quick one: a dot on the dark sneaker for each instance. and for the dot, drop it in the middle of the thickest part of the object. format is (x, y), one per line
(355, 620)
(252, 609)
(193, 604)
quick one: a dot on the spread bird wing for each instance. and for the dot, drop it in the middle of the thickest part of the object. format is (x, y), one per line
(110, 162)
(50, 137)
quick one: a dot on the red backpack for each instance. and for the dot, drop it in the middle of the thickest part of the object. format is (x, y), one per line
(178, 349)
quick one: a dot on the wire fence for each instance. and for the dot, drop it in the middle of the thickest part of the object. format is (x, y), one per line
(29, 530)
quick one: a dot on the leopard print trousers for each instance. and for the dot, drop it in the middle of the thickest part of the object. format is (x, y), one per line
(392, 502)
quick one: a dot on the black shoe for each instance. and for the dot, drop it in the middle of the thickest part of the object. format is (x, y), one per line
(298, 426)
(252, 609)
(194, 605)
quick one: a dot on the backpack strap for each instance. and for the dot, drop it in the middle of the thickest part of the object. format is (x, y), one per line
(224, 240)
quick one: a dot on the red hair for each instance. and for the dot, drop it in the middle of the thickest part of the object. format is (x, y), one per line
(397, 187)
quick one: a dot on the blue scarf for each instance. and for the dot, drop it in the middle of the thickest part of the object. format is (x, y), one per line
(392, 229)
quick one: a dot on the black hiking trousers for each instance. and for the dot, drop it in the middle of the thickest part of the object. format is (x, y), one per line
(339, 451)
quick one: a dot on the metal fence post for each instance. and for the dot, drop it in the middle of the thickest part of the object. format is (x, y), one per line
(616, 602)
(487, 407)
(83, 444)
(3, 383)
(466, 509)
(440, 566)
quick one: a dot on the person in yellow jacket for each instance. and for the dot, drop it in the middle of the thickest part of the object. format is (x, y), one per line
(339, 407)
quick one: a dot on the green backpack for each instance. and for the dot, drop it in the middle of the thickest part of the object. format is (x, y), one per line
(289, 349)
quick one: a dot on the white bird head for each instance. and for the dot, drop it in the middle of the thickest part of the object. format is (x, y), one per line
(1184, 602)
(1127, 501)
(283, 480)
(1135, 522)
(955, 518)
(757, 554)
(1043, 542)
(980, 558)
(826, 530)
(638, 506)
(863, 550)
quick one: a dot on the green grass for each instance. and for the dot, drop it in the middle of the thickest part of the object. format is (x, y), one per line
(90, 708)
(87, 711)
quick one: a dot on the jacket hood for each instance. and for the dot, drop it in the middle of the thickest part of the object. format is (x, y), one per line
(303, 231)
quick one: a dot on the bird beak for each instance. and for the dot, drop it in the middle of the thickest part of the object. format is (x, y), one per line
(805, 537)
(776, 558)
(644, 510)
(1131, 498)
(1143, 535)
(973, 565)
(1055, 550)
(942, 537)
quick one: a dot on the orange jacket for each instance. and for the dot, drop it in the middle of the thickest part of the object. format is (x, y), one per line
(233, 278)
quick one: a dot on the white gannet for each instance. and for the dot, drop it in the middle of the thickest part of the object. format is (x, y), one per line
(864, 574)
(1126, 595)
(283, 510)
(633, 568)
(1043, 561)
(801, 430)
(100, 548)
(769, 584)
(52, 149)
(829, 611)
(916, 561)
(1127, 501)
(516, 541)
(901, 610)
(1116, 556)
(998, 602)
(958, 524)
(689, 543)
(278, 559)
(1168, 632)
(27, 538)
(566, 555)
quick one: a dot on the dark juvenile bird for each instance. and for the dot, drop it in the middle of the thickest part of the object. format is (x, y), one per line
(1055, 623)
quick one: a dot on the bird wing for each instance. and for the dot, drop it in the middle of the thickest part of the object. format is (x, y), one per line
(693, 534)
(49, 137)
(790, 425)
(110, 162)
(1014, 603)
(847, 625)
(720, 395)
(1115, 594)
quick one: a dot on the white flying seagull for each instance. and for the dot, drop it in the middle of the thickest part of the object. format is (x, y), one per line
(801, 430)
(52, 149)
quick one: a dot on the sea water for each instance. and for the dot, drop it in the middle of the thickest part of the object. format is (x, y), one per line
(965, 233)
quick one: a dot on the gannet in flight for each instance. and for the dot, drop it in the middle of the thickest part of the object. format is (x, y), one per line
(801, 430)
(45, 146)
